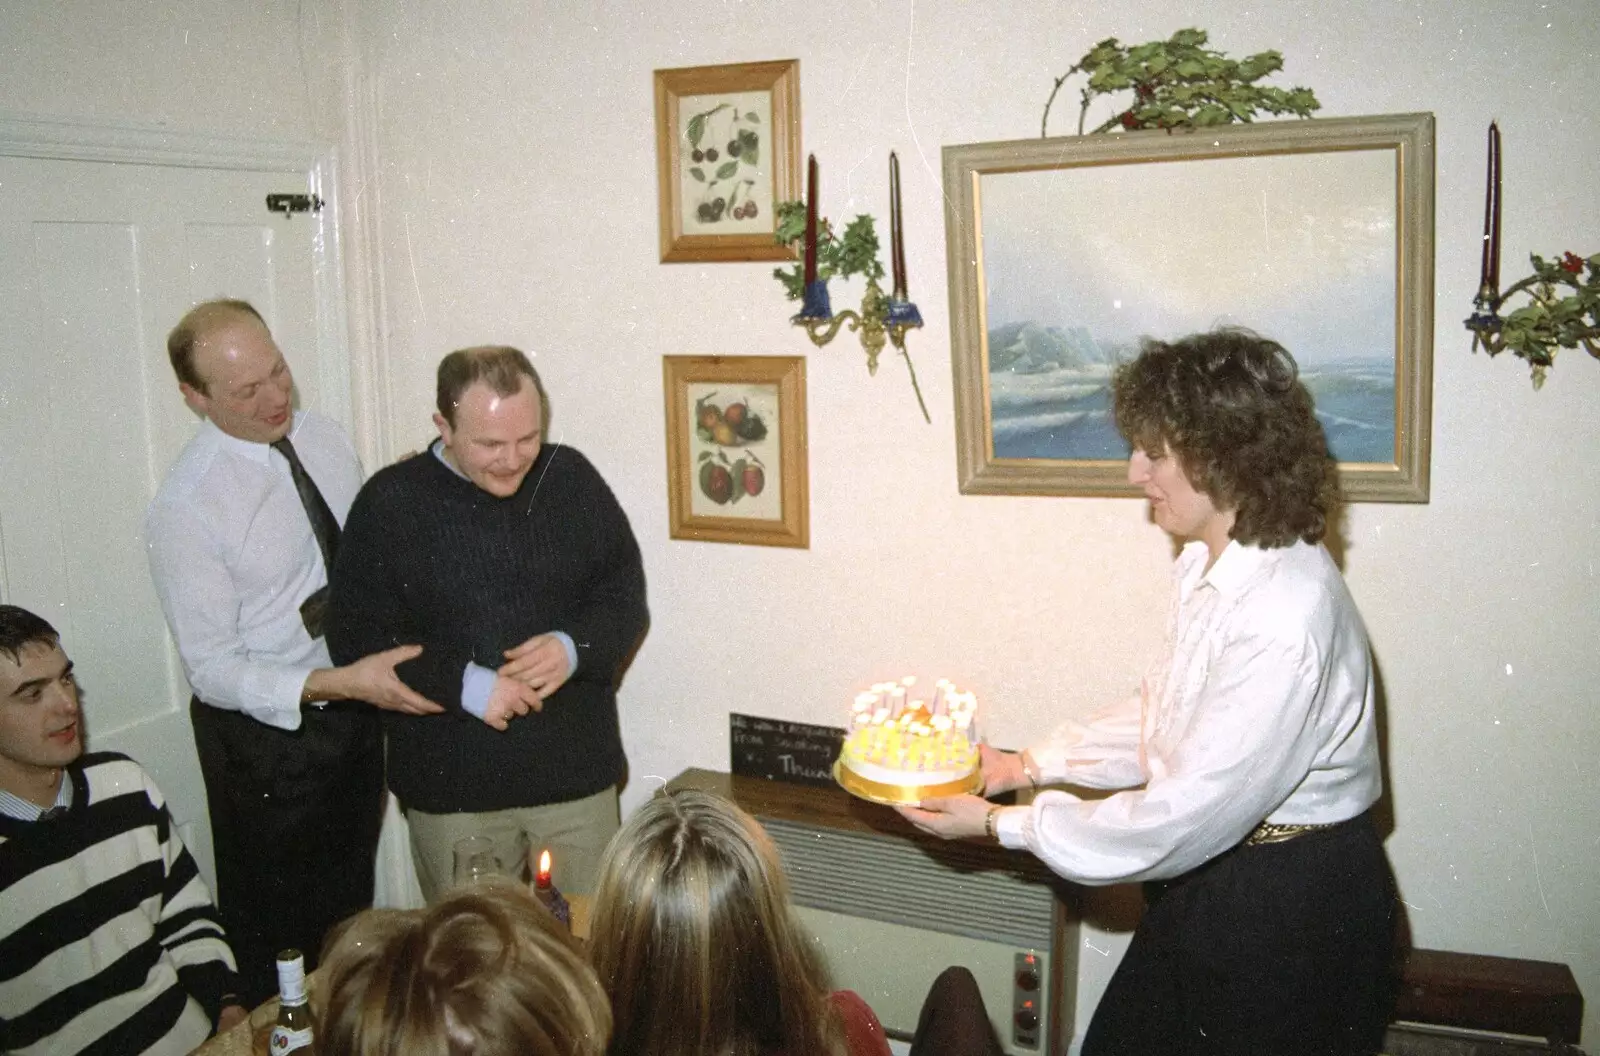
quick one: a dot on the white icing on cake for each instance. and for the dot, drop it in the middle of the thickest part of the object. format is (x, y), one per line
(893, 740)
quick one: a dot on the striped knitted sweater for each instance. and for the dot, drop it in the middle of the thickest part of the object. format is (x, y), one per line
(109, 942)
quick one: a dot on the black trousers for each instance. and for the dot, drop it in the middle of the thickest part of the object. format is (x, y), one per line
(294, 824)
(1282, 949)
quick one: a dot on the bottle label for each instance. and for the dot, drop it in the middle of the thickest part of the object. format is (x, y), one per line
(285, 1040)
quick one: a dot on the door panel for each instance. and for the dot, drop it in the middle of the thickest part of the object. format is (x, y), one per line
(97, 261)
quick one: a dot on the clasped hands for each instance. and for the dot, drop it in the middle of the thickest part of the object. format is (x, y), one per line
(952, 817)
(532, 671)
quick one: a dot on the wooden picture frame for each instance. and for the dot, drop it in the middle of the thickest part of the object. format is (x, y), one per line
(703, 113)
(1063, 252)
(737, 476)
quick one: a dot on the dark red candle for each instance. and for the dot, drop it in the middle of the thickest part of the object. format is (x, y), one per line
(811, 219)
(1489, 273)
(897, 241)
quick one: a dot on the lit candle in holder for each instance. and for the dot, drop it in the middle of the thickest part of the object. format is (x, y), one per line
(1489, 273)
(545, 891)
(542, 877)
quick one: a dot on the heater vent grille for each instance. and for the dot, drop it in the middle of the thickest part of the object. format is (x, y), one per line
(953, 889)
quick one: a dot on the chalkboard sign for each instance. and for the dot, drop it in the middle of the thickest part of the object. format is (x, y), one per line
(783, 751)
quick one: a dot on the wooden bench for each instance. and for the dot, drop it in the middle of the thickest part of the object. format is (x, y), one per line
(1536, 999)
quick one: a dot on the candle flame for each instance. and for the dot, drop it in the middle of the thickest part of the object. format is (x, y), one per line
(544, 864)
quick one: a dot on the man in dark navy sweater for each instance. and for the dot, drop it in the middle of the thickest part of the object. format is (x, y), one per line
(514, 567)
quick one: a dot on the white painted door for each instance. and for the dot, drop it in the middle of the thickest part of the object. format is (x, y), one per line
(98, 260)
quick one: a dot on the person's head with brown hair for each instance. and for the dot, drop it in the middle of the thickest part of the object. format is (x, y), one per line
(230, 370)
(1229, 407)
(492, 416)
(196, 323)
(695, 943)
(486, 971)
(503, 369)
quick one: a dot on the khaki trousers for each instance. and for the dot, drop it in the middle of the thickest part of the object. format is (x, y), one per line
(575, 833)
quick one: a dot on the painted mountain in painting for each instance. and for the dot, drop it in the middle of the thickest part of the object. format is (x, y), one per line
(1050, 397)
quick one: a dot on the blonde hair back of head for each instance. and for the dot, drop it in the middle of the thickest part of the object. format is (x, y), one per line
(694, 941)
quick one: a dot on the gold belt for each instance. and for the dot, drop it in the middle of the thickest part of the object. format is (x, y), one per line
(1265, 833)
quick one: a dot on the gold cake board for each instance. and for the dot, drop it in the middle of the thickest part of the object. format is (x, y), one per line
(902, 795)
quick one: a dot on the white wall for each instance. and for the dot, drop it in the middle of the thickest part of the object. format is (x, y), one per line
(514, 198)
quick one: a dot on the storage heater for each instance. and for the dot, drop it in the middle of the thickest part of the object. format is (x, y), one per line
(890, 913)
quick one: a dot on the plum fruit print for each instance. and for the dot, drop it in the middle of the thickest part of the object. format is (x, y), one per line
(723, 160)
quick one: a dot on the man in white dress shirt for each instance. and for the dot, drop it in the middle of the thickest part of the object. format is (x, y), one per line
(240, 537)
(1248, 759)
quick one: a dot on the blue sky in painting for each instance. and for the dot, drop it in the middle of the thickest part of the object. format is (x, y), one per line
(1299, 247)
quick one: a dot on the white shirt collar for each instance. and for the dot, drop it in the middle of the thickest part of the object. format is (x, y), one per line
(437, 447)
(14, 806)
(1235, 566)
(253, 450)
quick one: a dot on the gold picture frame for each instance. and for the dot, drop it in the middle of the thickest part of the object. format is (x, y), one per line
(727, 152)
(1062, 252)
(736, 449)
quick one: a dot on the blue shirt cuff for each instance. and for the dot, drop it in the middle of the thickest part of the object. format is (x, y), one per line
(477, 682)
(572, 651)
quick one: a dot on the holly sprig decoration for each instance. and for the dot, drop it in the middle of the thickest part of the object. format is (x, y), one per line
(1552, 319)
(1180, 83)
(838, 257)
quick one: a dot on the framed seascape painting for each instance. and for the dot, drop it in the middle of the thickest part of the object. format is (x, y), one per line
(736, 449)
(1064, 253)
(727, 151)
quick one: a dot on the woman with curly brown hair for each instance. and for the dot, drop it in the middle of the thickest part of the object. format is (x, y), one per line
(486, 971)
(1247, 762)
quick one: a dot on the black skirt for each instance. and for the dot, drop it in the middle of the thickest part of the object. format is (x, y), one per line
(1280, 948)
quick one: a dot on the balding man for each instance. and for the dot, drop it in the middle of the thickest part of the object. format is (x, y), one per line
(241, 535)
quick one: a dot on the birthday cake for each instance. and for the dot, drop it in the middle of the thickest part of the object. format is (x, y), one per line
(900, 748)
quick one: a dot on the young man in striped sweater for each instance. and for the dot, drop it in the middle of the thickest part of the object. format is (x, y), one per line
(109, 942)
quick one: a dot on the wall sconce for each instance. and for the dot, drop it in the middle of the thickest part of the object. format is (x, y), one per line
(880, 320)
(1547, 322)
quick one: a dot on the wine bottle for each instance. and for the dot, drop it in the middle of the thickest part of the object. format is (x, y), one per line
(294, 1031)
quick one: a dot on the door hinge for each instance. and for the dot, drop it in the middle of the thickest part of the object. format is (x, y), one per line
(294, 203)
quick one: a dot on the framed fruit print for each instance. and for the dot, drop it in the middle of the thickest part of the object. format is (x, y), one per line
(736, 449)
(727, 151)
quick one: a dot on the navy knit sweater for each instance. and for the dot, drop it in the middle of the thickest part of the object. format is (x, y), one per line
(427, 557)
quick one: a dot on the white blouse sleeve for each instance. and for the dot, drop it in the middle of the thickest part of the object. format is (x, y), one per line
(1247, 742)
(1100, 751)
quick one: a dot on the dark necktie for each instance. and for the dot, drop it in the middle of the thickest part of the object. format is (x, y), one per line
(323, 525)
(314, 610)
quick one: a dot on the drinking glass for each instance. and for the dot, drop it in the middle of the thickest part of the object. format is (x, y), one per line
(476, 861)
